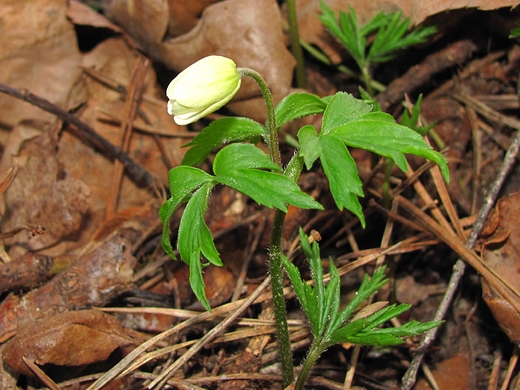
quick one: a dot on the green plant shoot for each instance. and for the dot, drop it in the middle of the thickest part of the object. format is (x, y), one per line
(331, 325)
(240, 164)
(390, 36)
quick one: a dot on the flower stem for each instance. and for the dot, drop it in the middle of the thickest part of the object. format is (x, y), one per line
(271, 135)
(275, 250)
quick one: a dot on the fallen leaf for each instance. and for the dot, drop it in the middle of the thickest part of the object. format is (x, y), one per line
(42, 196)
(68, 339)
(452, 373)
(501, 252)
(38, 51)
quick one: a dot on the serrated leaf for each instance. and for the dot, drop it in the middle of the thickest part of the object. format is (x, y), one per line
(195, 240)
(309, 145)
(165, 213)
(367, 288)
(341, 171)
(374, 339)
(298, 105)
(305, 294)
(342, 109)
(379, 133)
(220, 132)
(240, 166)
(242, 156)
(183, 181)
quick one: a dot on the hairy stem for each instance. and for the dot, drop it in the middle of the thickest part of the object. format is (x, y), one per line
(275, 250)
(314, 353)
(271, 135)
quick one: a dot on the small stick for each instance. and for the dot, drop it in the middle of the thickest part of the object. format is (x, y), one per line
(133, 98)
(136, 172)
(410, 376)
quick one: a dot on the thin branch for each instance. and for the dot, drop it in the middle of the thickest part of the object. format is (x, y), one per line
(135, 171)
(458, 269)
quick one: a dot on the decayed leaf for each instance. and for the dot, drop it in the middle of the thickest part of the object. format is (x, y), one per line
(40, 197)
(67, 339)
(38, 51)
(248, 31)
(501, 252)
(113, 59)
(80, 13)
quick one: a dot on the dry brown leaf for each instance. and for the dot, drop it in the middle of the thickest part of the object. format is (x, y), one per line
(67, 339)
(42, 196)
(452, 373)
(82, 14)
(248, 31)
(501, 252)
(38, 51)
(184, 15)
(114, 60)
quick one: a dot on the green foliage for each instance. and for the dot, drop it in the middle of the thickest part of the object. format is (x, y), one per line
(391, 35)
(241, 166)
(331, 325)
(412, 121)
(220, 132)
(516, 31)
(348, 122)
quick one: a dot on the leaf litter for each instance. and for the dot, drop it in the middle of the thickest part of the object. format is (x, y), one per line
(89, 257)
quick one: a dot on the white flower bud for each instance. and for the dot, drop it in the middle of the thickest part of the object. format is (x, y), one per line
(202, 88)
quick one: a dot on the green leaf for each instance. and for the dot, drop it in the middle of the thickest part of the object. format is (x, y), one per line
(298, 105)
(305, 294)
(240, 166)
(379, 133)
(367, 288)
(344, 334)
(219, 132)
(309, 145)
(195, 240)
(516, 31)
(165, 213)
(392, 37)
(411, 121)
(183, 181)
(375, 339)
(341, 171)
(342, 109)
